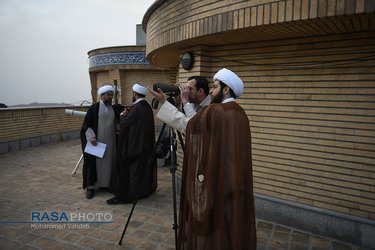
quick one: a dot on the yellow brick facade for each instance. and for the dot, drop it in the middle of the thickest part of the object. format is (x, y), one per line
(28, 122)
(313, 136)
(308, 68)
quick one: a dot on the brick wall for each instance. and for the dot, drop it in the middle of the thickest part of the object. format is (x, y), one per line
(22, 124)
(308, 69)
(174, 24)
(311, 107)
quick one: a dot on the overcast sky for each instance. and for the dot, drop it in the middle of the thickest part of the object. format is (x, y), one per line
(44, 45)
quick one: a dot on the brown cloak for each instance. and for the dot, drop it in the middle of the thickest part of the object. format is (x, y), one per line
(217, 202)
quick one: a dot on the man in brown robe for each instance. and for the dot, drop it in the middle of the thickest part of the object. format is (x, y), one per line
(135, 144)
(216, 200)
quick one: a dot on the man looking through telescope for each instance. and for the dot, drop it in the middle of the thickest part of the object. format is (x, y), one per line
(194, 96)
(216, 200)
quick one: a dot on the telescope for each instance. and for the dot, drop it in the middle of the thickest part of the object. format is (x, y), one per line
(74, 112)
(171, 90)
(167, 88)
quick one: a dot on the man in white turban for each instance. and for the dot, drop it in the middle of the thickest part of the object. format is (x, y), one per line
(135, 144)
(100, 125)
(227, 80)
(216, 199)
(104, 89)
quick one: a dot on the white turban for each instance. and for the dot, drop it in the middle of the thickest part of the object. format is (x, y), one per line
(230, 79)
(140, 89)
(105, 89)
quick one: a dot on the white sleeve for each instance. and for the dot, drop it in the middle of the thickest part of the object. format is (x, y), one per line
(189, 110)
(90, 134)
(172, 117)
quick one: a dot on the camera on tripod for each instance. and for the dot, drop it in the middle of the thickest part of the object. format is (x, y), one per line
(168, 89)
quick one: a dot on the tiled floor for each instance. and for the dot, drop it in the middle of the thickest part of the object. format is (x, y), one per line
(39, 179)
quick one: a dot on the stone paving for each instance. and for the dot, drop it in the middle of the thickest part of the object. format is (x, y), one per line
(39, 179)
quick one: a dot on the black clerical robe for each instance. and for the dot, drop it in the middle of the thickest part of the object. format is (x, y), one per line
(135, 144)
(216, 201)
(91, 120)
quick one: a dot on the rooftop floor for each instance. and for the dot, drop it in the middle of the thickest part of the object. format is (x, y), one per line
(40, 179)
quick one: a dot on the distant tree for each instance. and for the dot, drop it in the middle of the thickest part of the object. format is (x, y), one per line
(2, 105)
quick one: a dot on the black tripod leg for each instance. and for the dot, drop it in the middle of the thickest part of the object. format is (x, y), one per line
(127, 223)
(139, 189)
(181, 141)
(173, 170)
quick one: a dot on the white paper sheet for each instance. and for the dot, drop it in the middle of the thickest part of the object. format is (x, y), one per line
(97, 150)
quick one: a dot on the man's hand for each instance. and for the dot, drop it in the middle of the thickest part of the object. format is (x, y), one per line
(94, 141)
(159, 96)
(125, 112)
(184, 93)
(177, 100)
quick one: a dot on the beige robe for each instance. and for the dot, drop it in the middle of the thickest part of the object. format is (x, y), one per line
(106, 134)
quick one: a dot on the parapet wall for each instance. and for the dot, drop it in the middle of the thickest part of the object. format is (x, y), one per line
(25, 127)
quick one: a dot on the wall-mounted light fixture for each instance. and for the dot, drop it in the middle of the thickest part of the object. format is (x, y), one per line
(187, 60)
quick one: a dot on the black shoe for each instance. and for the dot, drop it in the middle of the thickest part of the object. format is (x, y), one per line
(115, 201)
(89, 193)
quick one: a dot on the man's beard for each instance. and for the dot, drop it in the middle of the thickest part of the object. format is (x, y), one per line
(218, 98)
(107, 102)
(133, 99)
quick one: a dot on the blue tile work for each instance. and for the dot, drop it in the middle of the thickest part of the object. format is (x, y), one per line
(118, 58)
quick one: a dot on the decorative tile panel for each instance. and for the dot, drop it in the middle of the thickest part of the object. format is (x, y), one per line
(118, 58)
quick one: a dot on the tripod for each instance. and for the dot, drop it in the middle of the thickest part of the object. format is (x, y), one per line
(172, 170)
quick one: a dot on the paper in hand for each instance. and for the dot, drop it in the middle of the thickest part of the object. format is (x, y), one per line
(97, 150)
